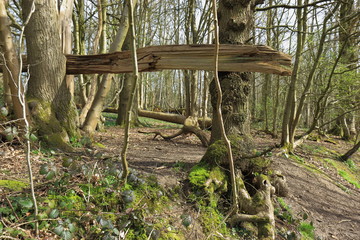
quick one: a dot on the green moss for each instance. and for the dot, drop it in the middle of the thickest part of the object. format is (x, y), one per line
(213, 221)
(258, 164)
(199, 174)
(219, 180)
(265, 230)
(13, 185)
(349, 177)
(172, 235)
(49, 128)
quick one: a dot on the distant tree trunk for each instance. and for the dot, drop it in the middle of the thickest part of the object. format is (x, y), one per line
(11, 63)
(100, 40)
(49, 97)
(349, 153)
(94, 113)
(79, 47)
(205, 99)
(349, 42)
(65, 14)
(289, 108)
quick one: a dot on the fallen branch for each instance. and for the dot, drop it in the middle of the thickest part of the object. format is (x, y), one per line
(191, 126)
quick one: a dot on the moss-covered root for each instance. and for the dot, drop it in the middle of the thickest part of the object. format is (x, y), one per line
(48, 126)
(263, 208)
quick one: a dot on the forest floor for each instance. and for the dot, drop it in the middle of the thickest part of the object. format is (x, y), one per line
(320, 192)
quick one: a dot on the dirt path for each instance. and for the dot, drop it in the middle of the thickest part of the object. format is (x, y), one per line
(168, 160)
(334, 213)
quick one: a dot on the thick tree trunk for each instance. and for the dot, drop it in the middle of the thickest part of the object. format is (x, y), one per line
(49, 96)
(235, 24)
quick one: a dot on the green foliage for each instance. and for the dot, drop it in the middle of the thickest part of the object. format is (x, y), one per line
(150, 122)
(351, 165)
(346, 170)
(179, 166)
(13, 185)
(307, 231)
(284, 212)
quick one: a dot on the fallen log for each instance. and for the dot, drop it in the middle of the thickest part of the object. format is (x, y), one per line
(170, 117)
(190, 126)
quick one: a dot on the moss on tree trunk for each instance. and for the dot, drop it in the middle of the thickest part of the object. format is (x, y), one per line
(254, 181)
(49, 94)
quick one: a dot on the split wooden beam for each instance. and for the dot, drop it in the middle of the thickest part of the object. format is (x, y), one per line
(232, 58)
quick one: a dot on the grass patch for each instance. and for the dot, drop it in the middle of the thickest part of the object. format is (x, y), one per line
(307, 231)
(346, 171)
(110, 119)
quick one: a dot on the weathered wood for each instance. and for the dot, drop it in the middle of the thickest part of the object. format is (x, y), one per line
(232, 58)
(170, 117)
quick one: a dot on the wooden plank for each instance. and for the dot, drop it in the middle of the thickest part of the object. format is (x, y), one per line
(232, 58)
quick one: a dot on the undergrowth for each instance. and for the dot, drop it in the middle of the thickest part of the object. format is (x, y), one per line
(82, 200)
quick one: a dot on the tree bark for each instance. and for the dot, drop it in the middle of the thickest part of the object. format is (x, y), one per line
(235, 23)
(49, 96)
(94, 113)
(11, 62)
(349, 153)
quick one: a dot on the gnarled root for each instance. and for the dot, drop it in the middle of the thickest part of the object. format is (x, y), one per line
(260, 205)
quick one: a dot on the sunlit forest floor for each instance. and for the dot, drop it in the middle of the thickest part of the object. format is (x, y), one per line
(324, 193)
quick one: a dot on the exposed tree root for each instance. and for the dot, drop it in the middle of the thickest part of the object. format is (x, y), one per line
(259, 206)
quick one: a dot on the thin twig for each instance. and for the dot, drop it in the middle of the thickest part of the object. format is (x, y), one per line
(132, 97)
(22, 99)
(219, 113)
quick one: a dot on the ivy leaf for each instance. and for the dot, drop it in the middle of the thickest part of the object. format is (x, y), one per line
(71, 227)
(54, 213)
(50, 175)
(44, 169)
(66, 235)
(4, 111)
(59, 230)
(26, 203)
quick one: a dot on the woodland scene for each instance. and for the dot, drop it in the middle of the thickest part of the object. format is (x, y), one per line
(182, 119)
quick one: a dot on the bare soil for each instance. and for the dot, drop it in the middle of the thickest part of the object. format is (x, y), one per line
(334, 212)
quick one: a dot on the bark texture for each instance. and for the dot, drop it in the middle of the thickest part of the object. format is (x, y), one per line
(49, 97)
(10, 65)
(235, 25)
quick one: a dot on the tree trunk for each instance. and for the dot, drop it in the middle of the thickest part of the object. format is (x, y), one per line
(349, 153)
(236, 22)
(289, 109)
(11, 63)
(235, 25)
(49, 97)
(94, 113)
